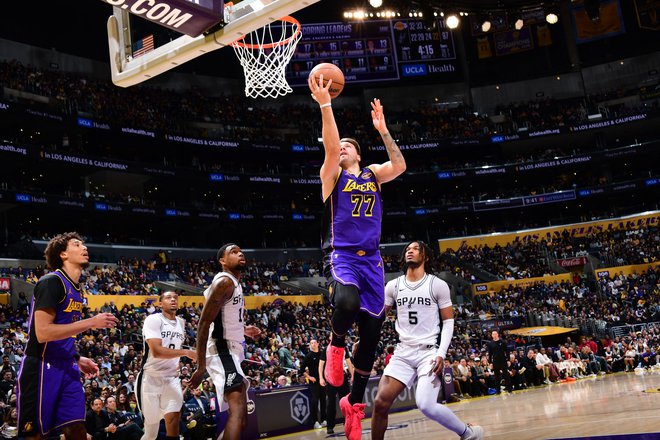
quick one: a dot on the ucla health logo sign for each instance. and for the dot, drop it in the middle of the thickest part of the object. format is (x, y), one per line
(300, 408)
(414, 70)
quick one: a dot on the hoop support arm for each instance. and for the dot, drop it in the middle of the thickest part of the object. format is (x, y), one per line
(128, 72)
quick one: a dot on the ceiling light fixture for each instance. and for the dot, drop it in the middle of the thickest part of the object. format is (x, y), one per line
(452, 21)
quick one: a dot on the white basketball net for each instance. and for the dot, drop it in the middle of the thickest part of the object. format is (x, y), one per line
(264, 55)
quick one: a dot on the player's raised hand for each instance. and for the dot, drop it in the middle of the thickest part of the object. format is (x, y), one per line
(377, 116)
(104, 320)
(252, 332)
(191, 354)
(320, 93)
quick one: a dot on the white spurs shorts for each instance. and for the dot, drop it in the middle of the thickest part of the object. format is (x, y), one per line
(409, 362)
(157, 396)
(225, 369)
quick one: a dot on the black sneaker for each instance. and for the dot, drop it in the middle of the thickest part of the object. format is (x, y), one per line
(330, 431)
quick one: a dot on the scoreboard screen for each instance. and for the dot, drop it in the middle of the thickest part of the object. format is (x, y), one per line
(362, 50)
(421, 51)
(369, 51)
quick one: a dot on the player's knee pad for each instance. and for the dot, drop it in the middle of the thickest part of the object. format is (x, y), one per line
(346, 302)
(369, 327)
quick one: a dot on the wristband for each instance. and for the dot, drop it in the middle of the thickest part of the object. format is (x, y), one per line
(329, 104)
(76, 357)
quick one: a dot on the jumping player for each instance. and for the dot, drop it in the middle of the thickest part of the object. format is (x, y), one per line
(222, 353)
(350, 242)
(425, 324)
(49, 393)
(159, 390)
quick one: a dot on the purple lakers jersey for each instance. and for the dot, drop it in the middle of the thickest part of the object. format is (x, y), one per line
(55, 291)
(353, 213)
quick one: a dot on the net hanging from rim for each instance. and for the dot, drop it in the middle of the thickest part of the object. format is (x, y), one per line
(264, 55)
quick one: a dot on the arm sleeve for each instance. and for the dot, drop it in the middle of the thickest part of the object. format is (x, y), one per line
(442, 296)
(390, 292)
(48, 293)
(151, 328)
(445, 337)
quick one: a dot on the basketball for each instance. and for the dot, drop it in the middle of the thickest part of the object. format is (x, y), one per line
(329, 71)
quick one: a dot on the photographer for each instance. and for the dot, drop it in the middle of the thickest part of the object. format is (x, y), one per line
(198, 417)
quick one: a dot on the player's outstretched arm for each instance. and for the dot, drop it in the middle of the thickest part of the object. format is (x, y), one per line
(221, 291)
(330, 134)
(396, 166)
(47, 331)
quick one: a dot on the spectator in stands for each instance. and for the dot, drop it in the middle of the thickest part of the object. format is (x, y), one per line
(199, 419)
(466, 377)
(123, 404)
(591, 365)
(629, 358)
(390, 351)
(460, 380)
(490, 376)
(477, 374)
(533, 371)
(544, 361)
(126, 429)
(286, 360)
(97, 421)
(22, 303)
(648, 358)
(9, 428)
(207, 391)
(514, 369)
(282, 381)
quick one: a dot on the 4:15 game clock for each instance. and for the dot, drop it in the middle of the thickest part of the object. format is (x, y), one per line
(423, 50)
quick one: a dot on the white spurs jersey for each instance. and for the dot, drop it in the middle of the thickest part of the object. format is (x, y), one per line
(228, 325)
(171, 333)
(417, 308)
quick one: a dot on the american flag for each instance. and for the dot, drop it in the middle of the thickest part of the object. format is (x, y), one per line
(143, 46)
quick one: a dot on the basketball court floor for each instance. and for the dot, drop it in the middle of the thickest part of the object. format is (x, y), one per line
(617, 406)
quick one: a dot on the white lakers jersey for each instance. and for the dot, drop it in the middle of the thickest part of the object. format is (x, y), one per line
(171, 333)
(228, 325)
(417, 307)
